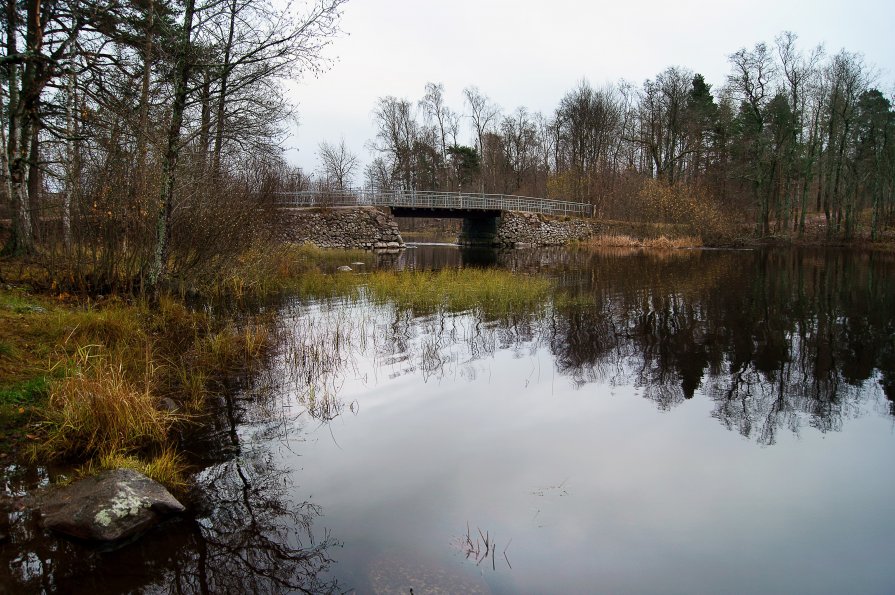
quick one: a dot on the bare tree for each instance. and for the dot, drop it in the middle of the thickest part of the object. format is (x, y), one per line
(159, 270)
(663, 106)
(519, 135)
(36, 41)
(338, 163)
(847, 78)
(261, 44)
(433, 106)
(378, 175)
(752, 82)
(398, 137)
(587, 121)
(800, 74)
(484, 115)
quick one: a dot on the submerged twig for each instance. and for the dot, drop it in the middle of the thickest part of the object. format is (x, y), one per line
(482, 547)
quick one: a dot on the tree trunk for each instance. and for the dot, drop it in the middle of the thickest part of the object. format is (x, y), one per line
(143, 132)
(71, 180)
(222, 95)
(159, 270)
(205, 118)
(35, 182)
(21, 240)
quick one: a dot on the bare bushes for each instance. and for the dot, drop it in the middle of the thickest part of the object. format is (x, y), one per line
(690, 207)
(660, 243)
(109, 238)
(218, 224)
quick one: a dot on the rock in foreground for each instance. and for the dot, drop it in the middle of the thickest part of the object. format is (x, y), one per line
(111, 506)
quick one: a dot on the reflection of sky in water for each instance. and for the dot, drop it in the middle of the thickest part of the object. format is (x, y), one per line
(567, 437)
(598, 488)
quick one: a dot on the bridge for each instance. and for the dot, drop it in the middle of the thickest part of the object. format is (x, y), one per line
(481, 213)
(414, 203)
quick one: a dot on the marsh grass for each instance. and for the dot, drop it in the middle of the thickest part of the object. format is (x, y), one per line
(109, 408)
(87, 381)
(286, 268)
(491, 291)
(232, 349)
(322, 406)
(319, 285)
(310, 273)
(194, 385)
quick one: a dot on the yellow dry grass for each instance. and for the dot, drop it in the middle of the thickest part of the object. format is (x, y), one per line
(97, 409)
(660, 243)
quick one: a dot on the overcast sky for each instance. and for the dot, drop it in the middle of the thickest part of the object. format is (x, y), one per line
(531, 52)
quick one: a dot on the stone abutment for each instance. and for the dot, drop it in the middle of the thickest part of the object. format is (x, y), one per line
(374, 228)
(367, 228)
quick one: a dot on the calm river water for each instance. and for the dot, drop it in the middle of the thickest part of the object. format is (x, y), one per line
(683, 422)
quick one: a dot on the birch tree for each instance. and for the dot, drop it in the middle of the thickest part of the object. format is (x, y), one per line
(37, 36)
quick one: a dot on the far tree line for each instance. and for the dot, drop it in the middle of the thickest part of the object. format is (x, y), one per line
(791, 133)
(141, 139)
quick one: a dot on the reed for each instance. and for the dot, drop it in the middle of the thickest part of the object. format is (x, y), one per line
(677, 243)
(286, 268)
(493, 291)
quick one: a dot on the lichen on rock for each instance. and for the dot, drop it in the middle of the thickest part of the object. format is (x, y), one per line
(112, 506)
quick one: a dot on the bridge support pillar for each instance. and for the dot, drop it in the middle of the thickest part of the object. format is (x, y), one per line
(478, 231)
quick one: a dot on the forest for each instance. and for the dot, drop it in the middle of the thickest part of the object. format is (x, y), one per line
(140, 138)
(790, 135)
(143, 141)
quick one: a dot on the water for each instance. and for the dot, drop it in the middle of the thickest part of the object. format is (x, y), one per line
(692, 422)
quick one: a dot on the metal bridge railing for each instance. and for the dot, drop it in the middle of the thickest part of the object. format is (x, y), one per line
(433, 200)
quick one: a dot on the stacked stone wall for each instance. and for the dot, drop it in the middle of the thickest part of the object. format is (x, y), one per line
(373, 228)
(341, 227)
(529, 229)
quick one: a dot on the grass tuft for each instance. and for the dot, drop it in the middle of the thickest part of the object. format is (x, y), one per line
(7, 349)
(168, 467)
(98, 409)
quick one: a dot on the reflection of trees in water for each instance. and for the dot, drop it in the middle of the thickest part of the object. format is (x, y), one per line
(245, 534)
(776, 339)
(251, 537)
(326, 343)
(772, 337)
